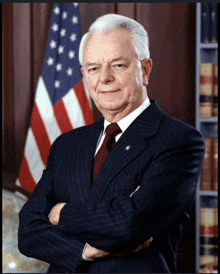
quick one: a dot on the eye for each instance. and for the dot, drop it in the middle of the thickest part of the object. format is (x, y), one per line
(119, 66)
(92, 69)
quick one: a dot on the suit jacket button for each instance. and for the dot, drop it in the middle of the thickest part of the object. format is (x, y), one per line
(127, 147)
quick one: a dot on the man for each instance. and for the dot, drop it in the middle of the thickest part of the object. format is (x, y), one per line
(95, 217)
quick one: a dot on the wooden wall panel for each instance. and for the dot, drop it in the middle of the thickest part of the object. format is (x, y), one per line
(41, 13)
(127, 9)
(22, 74)
(8, 128)
(171, 29)
(89, 12)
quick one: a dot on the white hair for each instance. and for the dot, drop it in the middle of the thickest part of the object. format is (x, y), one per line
(108, 23)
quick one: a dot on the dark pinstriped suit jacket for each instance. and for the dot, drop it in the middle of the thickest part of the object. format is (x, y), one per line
(164, 158)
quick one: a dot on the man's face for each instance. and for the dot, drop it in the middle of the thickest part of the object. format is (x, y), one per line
(115, 78)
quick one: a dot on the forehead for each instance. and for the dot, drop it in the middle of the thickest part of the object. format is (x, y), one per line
(117, 43)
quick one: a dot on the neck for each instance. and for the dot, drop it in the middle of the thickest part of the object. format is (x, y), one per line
(116, 115)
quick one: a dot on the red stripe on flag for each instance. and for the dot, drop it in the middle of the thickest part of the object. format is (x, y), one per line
(62, 117)
(40, 134)
(84, 103)
(25, 178)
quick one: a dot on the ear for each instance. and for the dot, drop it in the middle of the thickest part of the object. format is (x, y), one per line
(146, 66)
(82, 70)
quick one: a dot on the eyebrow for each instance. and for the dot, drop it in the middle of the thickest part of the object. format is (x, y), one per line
(119, 59)
(89, 64)
(113, 60)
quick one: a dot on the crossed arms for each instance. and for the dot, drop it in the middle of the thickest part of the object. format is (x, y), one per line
(90, 252)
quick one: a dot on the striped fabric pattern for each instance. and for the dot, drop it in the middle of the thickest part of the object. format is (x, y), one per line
(62, 101)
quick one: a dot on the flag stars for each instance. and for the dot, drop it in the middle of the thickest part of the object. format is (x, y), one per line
(55, 27)
(63, 32)
(57, 10)
(64, 16)
(75, 5)
(61, 49)
(58, 67)
(57, 84)
(53, 44)
(73, 37)
(71, 54)
(50, 61)
(75, 20)
(69, 72)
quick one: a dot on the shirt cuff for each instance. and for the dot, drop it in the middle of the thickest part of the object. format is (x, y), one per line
(83, 257)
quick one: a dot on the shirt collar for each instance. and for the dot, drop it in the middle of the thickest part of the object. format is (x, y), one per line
(125, 122)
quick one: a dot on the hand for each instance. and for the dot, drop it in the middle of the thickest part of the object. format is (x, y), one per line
(54, 215)
(92, 253)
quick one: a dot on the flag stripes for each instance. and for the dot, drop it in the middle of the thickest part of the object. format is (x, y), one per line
(62, 117)
(40, 134)
(46, 110)
(25, 176)
(83, 101)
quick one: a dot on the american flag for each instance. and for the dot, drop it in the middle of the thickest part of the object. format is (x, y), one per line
(62, 102)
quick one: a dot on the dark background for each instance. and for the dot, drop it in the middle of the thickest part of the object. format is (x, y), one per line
(171, 29)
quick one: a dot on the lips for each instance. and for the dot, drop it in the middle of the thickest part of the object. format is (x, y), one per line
(109, 91)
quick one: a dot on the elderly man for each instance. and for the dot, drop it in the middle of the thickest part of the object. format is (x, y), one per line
(111, 186)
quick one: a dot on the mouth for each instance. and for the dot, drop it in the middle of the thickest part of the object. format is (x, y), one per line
(109, 91)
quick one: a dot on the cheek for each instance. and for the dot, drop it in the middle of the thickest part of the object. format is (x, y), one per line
(133, 83)
(90, 83)
(134, 87)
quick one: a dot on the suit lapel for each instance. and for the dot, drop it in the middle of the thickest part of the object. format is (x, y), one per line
(132, 142)
(90, 145)
(84, 160)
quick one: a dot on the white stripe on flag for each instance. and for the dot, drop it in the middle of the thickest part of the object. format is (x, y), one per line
(73, 109)
(46, 111)
(87, 92)
(33, 157)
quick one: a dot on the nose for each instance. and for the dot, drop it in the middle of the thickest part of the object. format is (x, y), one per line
(106, 76)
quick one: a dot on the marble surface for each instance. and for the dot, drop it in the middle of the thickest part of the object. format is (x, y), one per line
(12, 260)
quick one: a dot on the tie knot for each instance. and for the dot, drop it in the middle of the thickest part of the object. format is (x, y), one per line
(112, 130)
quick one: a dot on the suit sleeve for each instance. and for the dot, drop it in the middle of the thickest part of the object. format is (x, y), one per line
(37, 237)
(167, 193)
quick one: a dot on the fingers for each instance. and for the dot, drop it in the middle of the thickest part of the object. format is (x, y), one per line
(92, 253)
(147, 243)
(54, 215)
(144, 245)
(138, 249)
(134, 191)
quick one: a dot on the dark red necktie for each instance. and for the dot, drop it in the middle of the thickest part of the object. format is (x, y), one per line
(111, 131)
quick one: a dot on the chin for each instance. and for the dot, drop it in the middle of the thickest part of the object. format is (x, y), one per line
(113, 105)
(116, 109)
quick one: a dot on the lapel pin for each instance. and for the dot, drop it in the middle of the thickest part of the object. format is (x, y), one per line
(127, 147)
